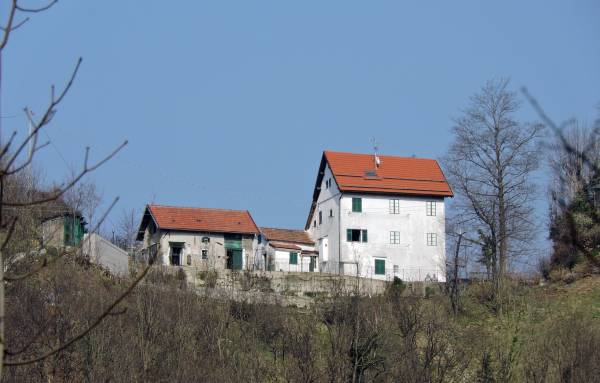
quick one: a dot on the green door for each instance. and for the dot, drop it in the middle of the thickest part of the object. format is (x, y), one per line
(311, 265)
(234, 259)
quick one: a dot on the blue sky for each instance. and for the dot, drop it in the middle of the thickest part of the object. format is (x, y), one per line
(230, 104)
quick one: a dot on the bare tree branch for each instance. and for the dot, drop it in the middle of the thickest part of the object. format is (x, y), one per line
(107, 312)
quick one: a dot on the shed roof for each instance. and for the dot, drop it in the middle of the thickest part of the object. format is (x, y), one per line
(286, 235)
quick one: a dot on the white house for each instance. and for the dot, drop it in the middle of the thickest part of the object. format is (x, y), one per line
(379, 216)
(205, 238)
(289, 250)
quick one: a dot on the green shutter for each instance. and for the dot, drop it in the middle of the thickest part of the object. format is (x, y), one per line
(380, 266)
(78, 235)
(349, 235)
(364, 236)
(293, 258)
(357, 205)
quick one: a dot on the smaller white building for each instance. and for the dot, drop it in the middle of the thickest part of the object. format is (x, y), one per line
(101, 251)
(289, 250)
(200, 237)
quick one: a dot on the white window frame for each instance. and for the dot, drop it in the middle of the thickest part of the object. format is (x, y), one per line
(431, 239)
(430, 208)
(394, 237)
(394, 206)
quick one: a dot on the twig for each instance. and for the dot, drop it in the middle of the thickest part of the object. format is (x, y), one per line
(83, 333)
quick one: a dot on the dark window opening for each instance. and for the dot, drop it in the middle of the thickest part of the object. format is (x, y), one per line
(356, 235)
(320, 217)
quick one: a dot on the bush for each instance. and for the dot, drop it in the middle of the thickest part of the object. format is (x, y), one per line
(429, 291)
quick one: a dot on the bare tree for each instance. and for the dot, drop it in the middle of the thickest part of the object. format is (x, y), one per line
(85, 198)
(580, 172)
(489, 165)
(16, 156)
(127, 229)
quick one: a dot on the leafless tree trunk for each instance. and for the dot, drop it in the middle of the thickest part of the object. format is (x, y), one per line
(454, 292)
(489, 165)
(127, 228)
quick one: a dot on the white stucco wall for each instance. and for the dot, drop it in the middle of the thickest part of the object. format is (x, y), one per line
(412, 259)
(327, 234)
(193, 246)
(281, 260)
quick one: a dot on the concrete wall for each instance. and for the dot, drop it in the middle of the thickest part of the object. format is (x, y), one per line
(412, 259)
(102, 252)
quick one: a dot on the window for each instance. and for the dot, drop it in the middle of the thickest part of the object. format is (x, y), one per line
(204, 254)
(315, 223)
(293, 258)
(394, 206)
(259, 239)
(394, 237)
(430, 207)
(431, 239)
(328, 183)
(320, 217)
(356, 235)
(357, 205)
(331, 212)
(380, 266)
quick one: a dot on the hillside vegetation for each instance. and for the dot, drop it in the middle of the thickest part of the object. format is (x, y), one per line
(164, 332)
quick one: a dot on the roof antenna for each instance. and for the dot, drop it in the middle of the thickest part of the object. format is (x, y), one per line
(375, 149)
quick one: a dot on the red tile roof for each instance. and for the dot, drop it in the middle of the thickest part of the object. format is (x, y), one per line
(202, 219)
(394, 175)
(358, 173)
(284, 245)
(287, 235)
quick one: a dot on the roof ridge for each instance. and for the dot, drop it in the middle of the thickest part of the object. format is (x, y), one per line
(380, 155)
(204, 208)
(279, 228)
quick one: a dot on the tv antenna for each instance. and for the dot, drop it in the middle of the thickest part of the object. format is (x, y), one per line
(375, 145)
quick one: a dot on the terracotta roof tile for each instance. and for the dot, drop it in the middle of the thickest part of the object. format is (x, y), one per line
(203, 220)
(395, 175)
(358, 173)
(284, 245)
(286, 235)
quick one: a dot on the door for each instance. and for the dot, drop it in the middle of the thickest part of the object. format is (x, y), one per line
(234, 259)
(324, 249)
(176, 255)
(311, 265)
